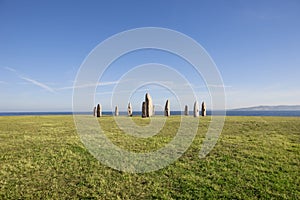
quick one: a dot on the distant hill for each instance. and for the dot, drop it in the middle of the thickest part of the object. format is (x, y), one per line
(271, 108)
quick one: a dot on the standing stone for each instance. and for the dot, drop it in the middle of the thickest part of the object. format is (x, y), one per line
(186, 110)
(99, 110)
(129, 110)
(149, 105)
(203, 109)
(144, 108)
(167, 108)
(196, 109)
(116, 111)
(95, 111)
(153, 110)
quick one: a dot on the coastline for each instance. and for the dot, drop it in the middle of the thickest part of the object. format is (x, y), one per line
(280, 113)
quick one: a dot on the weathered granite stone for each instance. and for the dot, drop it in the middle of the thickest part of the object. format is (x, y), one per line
(99, 110)
(167, 108)
(149, 105)
(116, 111)
(129, 110)
(95, 111)
(196, 109)
(203, 109)
(144, 108)
(153, 110)
(186, 110)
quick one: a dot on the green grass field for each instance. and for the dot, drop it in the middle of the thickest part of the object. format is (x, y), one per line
(255, 157)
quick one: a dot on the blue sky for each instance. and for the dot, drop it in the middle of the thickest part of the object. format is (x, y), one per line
(255, 45)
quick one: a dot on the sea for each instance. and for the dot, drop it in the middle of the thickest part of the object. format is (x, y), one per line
(228, 113)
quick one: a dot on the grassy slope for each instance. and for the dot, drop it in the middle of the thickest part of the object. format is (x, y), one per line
(256, 157)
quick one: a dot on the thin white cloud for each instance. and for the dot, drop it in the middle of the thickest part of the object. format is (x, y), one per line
(39, 84)
(50, 89)
(102, 93)
(89, 85)
(3, 82)
(10, 69)
(181, 91)
(204, 86)
(219, 86)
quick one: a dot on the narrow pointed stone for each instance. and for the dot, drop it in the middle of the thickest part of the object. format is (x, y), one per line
(196, 109)
(99, 110)
(167, 108)
(203, 109)
(116, 111)
(186, 110)
(129, 110)
(149, 105)
(95, 111)
(153, 110)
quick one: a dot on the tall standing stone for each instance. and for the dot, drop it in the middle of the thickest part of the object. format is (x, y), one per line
(95, 111)
(167, 108)
(116, 111)
(203, 109)
(99, 110)
(186, 110)
(129, 110)
(144, 108)
(149, 105)
(196, 109)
